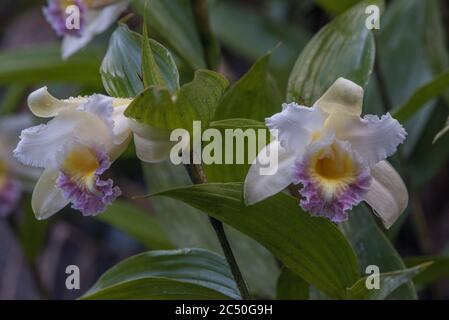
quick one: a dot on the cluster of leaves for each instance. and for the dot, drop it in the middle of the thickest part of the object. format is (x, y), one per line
(319, 260)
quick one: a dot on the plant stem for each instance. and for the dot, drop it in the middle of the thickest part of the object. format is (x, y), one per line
(197, 176)
(211, 49)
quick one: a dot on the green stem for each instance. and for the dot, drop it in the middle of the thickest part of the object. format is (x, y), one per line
(211, 49)
(198, 176)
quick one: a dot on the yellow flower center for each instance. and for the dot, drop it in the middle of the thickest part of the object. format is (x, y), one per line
(333, 168)
(80, 165)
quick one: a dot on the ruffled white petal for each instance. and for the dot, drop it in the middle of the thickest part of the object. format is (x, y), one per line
(47, 199)
(97, 21)
(43, 104)
(343, 96)
(296, 125)
(39, 145)
(152, 144)
(388, 194)
(259, 187)
(372, 137)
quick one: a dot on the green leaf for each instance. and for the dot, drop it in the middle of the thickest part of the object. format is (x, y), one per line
(343, 48)
(437, 271)
(255, 96)
(173, 20)
(373, 247)
(195, 101)
(237, 123)
(163, 275)
(291, 286)
(336, 7)
(311, 247)
(388, 282)
(44, 64)
(151, 75)
(422, 95)
(188, 227)
(143, 227)
(122, 65)
(404, 61)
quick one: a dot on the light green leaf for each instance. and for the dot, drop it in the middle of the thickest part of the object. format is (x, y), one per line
(173, 20)
(195, 101)
(167, 275)
(422, 95)
(138, 224)
(44, 64)
(388, 282)
(311, 247)
(343, 48)
(122, 65)
(151, 75)
(291, 286)
(437, 271)
(188, 227)
(373, 247)
(255, 96)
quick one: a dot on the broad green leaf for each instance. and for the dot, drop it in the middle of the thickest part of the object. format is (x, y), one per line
(167, 275)
(188, 227)
(43, 64)
(247, 33)
(291, 286)
(311, 247)
(151, 75)
(422, 95)
(343, 48)
(336, 7)
(388, 282)
(195, 101)
(403, 57)
(173, 20)
(237, 123)
(255, 96)
(121, 68)
(138, 224)
(373, 247)
(437, 271)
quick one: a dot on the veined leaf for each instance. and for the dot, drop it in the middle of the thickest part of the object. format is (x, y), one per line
(291, 286)
(143, 227)
(188, 227)
(121, 68)
(195, 101)
(343, 48)
(373, 247)
(425, 93)
(388, 282)
(437, 271)
(163, 275)
(311, 247)
(237, 123)
(44, 64)
(173, 20)
(255, 96)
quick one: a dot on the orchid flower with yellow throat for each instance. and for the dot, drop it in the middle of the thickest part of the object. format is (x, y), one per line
(78, 21)
(75, 148)
(335, 156)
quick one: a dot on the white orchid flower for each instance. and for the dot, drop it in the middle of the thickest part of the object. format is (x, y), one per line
(75, 148)
(336, 156)
(13, 175)
(78, 21)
